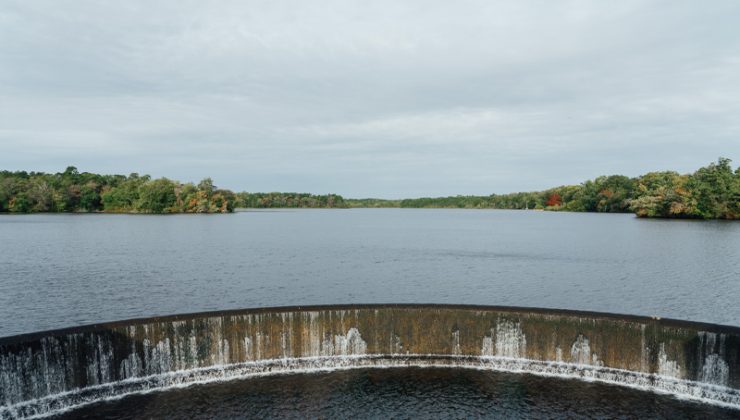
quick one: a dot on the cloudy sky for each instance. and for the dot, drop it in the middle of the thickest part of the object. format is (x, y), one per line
(370, 98)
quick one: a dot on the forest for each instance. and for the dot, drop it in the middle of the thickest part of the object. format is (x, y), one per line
(711, 192)
(74, 191)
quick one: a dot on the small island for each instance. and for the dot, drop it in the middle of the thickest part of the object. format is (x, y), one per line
(711, 192)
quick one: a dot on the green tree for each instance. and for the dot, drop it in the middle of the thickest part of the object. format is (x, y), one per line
(714, 189)
(90, 199)
(20, 203)
(206, 186)
(40, 195)
(157, 196)
(7, 191)
(125, 195)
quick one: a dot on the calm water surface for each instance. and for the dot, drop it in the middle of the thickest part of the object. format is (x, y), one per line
(64, 270)
(403, 394)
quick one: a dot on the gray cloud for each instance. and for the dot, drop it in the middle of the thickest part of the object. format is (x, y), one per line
(377, 98)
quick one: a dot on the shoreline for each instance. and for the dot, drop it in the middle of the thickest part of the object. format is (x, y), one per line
(283, 209)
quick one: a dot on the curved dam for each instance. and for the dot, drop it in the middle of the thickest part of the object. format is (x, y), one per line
(42, 373)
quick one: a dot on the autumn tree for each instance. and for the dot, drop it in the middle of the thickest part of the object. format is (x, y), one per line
(554, 200)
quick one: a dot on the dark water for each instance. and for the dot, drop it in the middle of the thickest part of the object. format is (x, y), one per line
(403, 393)
(63, 270)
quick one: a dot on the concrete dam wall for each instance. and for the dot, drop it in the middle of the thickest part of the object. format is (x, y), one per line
(45, 372)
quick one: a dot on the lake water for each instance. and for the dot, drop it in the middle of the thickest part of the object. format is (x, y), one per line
(65, 270)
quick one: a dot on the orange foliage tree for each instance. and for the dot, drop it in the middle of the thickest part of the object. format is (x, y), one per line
(554, 200)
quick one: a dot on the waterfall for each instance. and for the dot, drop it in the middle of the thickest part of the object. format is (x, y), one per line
(667, 367)
(45, 372)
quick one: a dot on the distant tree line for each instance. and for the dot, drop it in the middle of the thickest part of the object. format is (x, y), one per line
(712, 192)
(371, 203)
(288, 200)
(72, 191)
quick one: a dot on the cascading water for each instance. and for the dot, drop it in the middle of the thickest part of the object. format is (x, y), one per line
(45, 372)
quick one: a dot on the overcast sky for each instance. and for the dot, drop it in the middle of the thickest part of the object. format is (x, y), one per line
(370, 98)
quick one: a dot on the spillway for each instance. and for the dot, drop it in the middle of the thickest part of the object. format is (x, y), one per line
(43, 373)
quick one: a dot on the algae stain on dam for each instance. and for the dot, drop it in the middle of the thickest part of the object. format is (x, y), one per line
(45, 372)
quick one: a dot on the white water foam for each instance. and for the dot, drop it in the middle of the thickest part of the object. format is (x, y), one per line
(666, 367)
(506, 340)
(55, 404)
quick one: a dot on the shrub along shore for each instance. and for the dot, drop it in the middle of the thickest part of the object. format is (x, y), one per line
(712, 192)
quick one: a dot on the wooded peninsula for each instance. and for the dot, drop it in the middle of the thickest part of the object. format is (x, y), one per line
(712, 192)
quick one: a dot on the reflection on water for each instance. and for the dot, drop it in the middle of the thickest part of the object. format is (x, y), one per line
(62, 270)
(403, 393)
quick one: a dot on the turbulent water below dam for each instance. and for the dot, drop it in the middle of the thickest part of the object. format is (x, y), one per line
(402, 393)
(51, 372)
